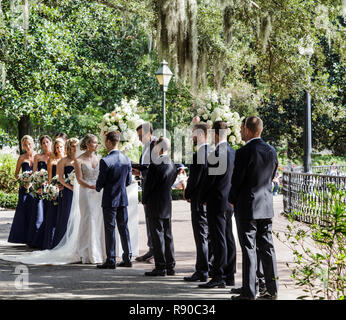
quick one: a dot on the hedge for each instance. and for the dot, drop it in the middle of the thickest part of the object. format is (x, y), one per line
(8, 200)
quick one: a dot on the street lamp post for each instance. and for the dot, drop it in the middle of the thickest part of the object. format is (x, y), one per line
(164, 75)
(307, 51)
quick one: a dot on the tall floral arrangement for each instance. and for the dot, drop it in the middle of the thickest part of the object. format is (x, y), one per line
(214, 107)
(124, 119)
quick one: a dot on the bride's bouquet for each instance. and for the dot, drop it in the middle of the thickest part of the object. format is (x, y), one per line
(124, 119)
(217, 108)
(24, 180)
(38, 181)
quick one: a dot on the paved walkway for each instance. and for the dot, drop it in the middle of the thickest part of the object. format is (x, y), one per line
(80, 281)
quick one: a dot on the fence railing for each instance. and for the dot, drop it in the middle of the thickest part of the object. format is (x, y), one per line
(337, 170)
(301, 189)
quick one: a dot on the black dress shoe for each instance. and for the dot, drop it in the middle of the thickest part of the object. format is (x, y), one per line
(144, 257)
(241, 297)
(125, 264)
(155, 273)
(229, 281)
(267, 296)
(237, 290)
(212, 284)
(196, 277)
(170, 272)
(106, 266)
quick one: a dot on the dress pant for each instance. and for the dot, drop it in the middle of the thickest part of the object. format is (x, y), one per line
(200, 233)
(255, 237)
(111, 217)
(163, 247)
(147, 223)
(231, 258)
(217, 234)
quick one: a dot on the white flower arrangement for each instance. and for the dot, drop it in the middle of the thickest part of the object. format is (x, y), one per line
(217, 108)
(124, 119)
(24, 180)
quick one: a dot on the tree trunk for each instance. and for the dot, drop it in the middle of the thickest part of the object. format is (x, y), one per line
(24, 127)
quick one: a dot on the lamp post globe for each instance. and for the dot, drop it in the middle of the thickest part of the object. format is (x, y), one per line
(164, 75)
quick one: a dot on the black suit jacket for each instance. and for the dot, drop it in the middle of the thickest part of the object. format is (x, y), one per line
(157, 188)
(198, 171)
(148, 158)
(255, 167)
(115, 174)
(216, 187)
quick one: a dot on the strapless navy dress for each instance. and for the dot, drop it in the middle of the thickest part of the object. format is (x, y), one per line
(37, 223)
(50, 219)
(64, 207)
(22, 215)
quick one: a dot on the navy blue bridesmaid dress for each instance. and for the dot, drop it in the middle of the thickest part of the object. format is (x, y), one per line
(50, 219)
(64, 207)
(37, 223)
(21, 219)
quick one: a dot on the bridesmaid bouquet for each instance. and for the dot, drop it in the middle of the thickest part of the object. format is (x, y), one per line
(70, 178)
(38, 180)
(124, 119)
(24, 180)
(217, 108)
(51, 192)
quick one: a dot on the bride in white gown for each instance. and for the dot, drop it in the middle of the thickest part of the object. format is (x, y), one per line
(84, 239)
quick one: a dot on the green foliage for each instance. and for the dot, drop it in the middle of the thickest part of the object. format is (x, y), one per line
(8, 183)
(8, 200)
(319, 249)
(317, 159)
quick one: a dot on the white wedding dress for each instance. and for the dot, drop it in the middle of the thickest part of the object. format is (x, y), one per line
(91, 238)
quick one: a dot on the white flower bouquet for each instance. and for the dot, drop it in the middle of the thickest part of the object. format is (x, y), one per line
(24, 180)
(51, 192)
(217, 108)
(124, 119)
(38, 180)
(70, 178)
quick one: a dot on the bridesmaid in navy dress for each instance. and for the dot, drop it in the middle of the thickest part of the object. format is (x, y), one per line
(21, 219)
(64, 167)
(36, 227)
(52, 206)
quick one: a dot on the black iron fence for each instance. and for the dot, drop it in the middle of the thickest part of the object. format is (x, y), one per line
(309, 194)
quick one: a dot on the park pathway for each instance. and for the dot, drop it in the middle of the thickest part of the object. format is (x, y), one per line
(79, 281)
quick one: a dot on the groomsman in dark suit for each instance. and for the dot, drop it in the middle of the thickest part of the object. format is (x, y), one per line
(198, 171)
(145, 135)
(115, 174)
(215, 191)
(158, 199)
(251, 196)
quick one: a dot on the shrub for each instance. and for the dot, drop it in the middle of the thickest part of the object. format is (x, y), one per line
(8, 183)
(319, 249)
(8, 200)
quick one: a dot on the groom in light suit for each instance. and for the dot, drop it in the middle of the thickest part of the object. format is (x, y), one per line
(115, 174)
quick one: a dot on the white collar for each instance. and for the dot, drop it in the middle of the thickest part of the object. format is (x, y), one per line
(252, 139)
(112, 151)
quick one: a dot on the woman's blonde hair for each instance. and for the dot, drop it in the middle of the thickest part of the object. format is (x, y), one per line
(86, 140)
(57, 140)
(26, 138)
(68, 145)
